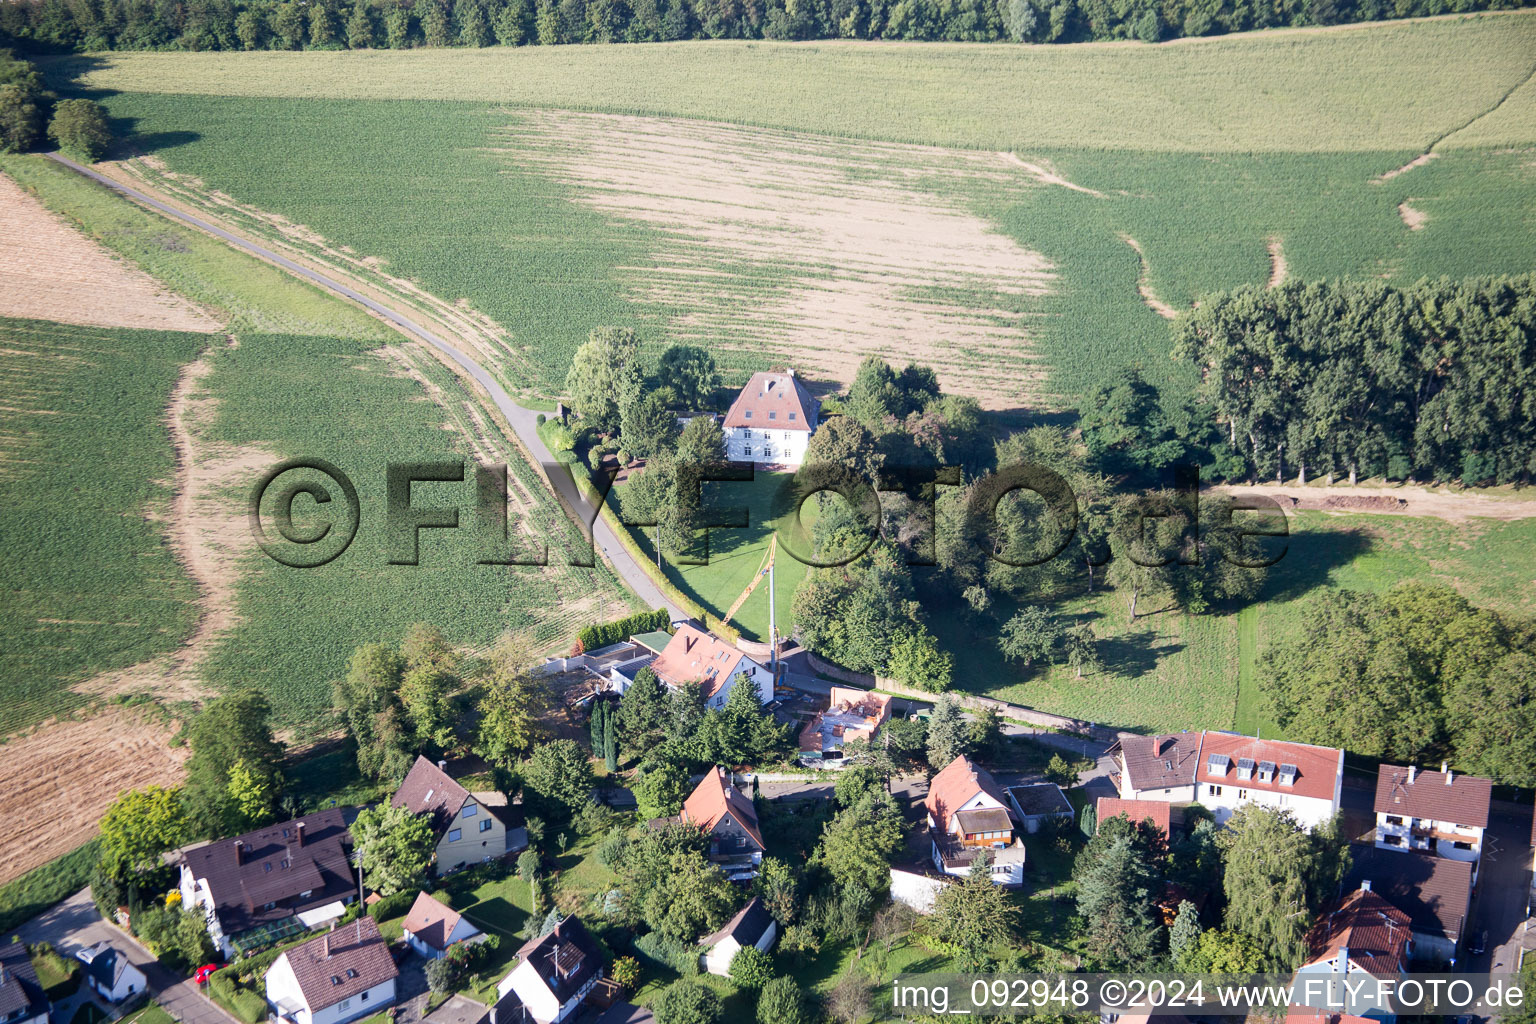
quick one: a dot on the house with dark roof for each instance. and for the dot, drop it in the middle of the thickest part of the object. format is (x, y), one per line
(22, 1000)
(432, 926)
(554, 974)
(726, 815)
(109, 973)
(1160, 767)
(771, 421)
(274, 882)
(1432, 812)
(693, 657)
(1435, 893)
(1359, 934)
(968, 815)
(344, 974)
(752, 925)
(1035, 805)
(468, 831)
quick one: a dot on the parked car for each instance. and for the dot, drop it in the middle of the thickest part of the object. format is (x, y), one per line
(1480, 943)
(202, 974)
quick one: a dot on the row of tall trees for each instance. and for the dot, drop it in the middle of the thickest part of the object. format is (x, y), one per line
(1360, 378)
(327, 24)
(78, 126)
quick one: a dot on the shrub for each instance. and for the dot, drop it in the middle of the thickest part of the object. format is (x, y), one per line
(80, 129)
(393, 906)
(611, 850)
(751, 968)
(249, 1006)
(542, 419)
(626, 971)
(660, 952)
(782, 1002)
(688, 1002)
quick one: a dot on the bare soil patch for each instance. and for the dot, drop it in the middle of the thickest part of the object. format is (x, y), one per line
(208, 532)
(1418, 161)
(1144, 287)
(1277, 268)
(1406, 500)
(72, 770)
(1415, 219)
(50, 271)
(816, 251)
(1047, 175)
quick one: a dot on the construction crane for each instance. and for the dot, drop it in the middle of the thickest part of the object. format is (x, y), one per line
(764, 568)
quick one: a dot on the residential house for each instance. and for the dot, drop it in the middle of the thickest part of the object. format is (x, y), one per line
(1435, 812)
(771, 422)
(344, 974)
(1158, 767)
(1435, 893)
(467, 831)
(693, 657)
(432, 926)
(852, 714)
(1035, 805)
(22, 999)
(266, 885)
(110, 974)
(727, 817)
(968, 814)
(1234, 770)
(752, 925)
(1160, 811)
(554, 974)
(1360, 934)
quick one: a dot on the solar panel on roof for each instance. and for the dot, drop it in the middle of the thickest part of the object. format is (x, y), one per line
(1218, 764)
(1245, 763)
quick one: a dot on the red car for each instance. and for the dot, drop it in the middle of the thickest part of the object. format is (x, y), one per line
(202, 973)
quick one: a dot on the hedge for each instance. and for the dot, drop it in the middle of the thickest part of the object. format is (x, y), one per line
(605, 633)
(657, 951)
(394, 906)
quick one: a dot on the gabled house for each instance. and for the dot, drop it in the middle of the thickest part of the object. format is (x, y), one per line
(1233, 770)
(432, 926)
(771, 421)
(852, 714)
(276, 881)
(468, 832)
(752, 925)
(1432, 812)
(693, 657)
(968, 814)
(22, 1000)
(1159, 811)
(109, 973)
(553, 976)
(344, 974)
(1359, 934)
(1434, 892)
(727, 817)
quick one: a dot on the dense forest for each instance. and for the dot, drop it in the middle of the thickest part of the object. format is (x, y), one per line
(61, 25)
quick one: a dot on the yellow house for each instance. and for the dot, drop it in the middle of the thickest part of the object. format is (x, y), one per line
(468, 832)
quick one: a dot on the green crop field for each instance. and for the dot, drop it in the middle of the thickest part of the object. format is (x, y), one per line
(331, 392)
(89, 584)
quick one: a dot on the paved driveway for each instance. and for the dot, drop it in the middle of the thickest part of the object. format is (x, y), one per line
(1503, 887)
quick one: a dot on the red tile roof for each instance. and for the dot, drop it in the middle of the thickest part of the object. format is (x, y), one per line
(1438, 796)
(341, 963)
(1160, 811)
(713, 798)
(432, 921)
(1318, 767)
(694, 656)
(959, 782)
(1374, 933)
(776, 401)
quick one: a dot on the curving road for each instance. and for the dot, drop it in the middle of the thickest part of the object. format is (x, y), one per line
(523, 421)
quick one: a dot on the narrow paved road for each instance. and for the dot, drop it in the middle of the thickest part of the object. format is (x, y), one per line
(523, 421)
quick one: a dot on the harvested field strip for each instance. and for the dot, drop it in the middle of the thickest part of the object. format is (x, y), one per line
(814, 252)
(49, 271)
(86, 473)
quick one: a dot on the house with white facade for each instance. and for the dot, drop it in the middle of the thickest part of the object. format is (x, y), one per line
(109, 973)
(752, 925)
(1160, 767)
(432, 926)
(771, 422)
(468, 831)
(1432, 812)
(272, 883)
(1235, 770)
(1358, 937)
(554, 974)
(968, 816)
(22, 999)
(693, 657)
(344, 974)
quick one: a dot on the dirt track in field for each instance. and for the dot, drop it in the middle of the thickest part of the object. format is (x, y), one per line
(50, 271)
(1452, 506)
(56, 781)
(1144, 286)
(1277, 266)
(813, 251)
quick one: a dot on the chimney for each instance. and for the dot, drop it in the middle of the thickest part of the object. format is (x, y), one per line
(1449, 775)
(1412, 771)
(790, 372)
(1365, 886)
(239, 852)
(299, 831)
(328, 944)
(1445, 766)
(442, 766)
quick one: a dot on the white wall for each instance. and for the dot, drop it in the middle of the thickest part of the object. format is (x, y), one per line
(778, 441)
(1309, 811)
(361, 1005)
(916, 891)
(1169, 794)
(759, 674)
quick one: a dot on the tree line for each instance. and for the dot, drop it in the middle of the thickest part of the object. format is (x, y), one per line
(30, 115)
(337, 24)
(1361, 378)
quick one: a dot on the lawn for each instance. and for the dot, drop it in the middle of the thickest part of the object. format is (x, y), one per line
(89, 582)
